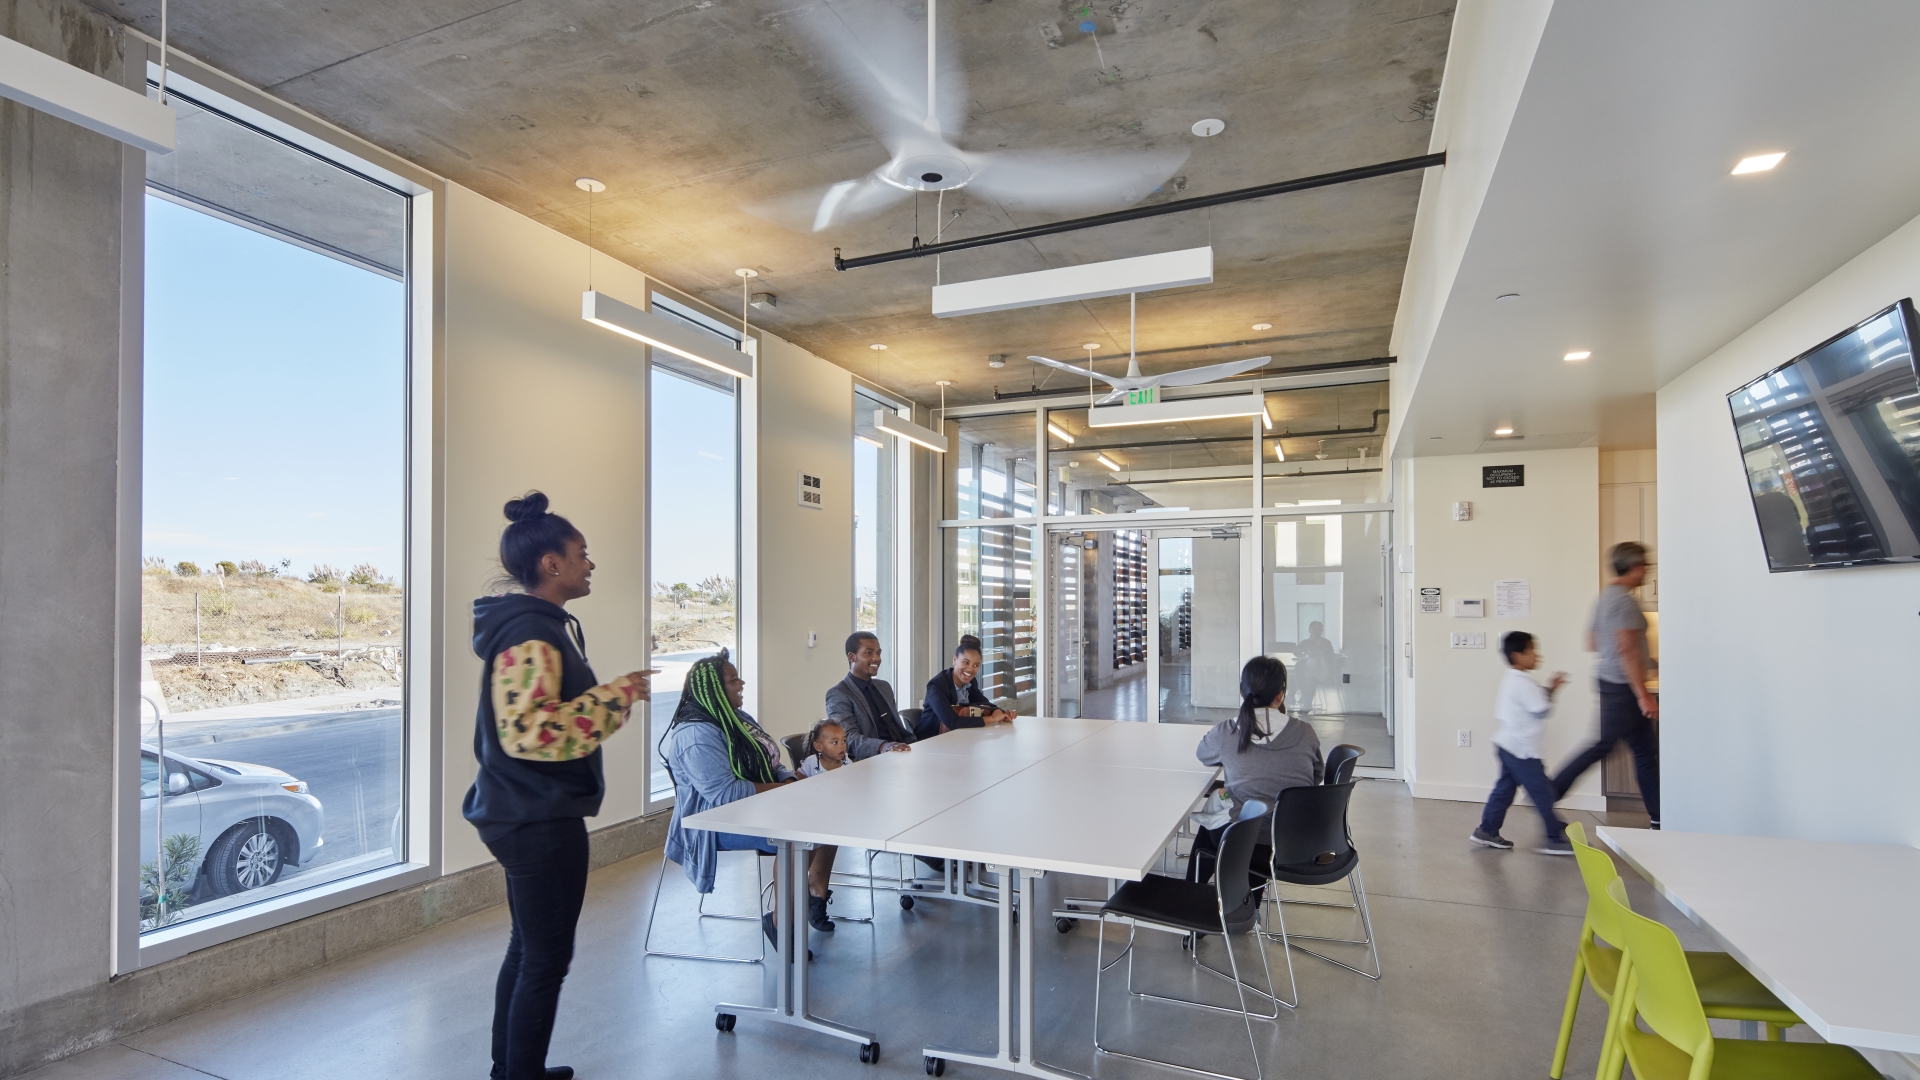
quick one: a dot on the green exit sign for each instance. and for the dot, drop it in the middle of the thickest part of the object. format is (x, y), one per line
(1147, 396)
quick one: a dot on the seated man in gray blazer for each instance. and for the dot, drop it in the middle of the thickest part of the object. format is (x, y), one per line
(864, 705)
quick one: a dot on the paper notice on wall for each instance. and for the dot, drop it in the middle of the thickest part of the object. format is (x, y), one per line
(1429, 601)
(1513, 599)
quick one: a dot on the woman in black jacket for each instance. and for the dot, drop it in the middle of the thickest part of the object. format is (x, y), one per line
(954, 699)
(541, 721)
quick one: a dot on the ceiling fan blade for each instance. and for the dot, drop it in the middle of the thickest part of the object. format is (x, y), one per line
(1108, 379)
(815, 209)
(882, 56)
(1053, 180)
(1211, 372)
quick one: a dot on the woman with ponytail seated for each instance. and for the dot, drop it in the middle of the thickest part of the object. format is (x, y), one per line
(716, 754)
(1260, 758)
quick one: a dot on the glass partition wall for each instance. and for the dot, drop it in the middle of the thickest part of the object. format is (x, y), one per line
(1128, 571)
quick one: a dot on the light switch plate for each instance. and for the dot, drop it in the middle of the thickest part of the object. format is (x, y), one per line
(1463, 511)
(1468, 641)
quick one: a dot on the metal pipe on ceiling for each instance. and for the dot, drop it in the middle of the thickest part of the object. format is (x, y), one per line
(1265, 437)
(1136, 213)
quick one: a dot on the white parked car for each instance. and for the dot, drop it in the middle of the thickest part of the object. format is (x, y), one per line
(252, 821)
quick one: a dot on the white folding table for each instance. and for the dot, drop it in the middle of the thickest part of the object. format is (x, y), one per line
(1092, 797)
(1830, 928)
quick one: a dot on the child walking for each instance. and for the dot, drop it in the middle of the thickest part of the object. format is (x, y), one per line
(1521, 710)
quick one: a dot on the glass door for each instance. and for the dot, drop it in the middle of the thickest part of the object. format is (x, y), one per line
(1328, 620)
(1146, 624)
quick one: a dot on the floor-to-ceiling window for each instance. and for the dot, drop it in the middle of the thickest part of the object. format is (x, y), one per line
(875, 515)
(694, 543)
(274, 463)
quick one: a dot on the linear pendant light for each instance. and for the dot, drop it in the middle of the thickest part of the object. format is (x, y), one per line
(663, 333)
(1177, 410)
(894, 424)
(57, 88)
(1064, 284)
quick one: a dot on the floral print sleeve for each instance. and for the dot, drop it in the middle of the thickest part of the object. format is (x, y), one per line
(535, 724)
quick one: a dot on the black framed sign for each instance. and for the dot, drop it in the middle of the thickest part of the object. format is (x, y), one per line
(1503, 476)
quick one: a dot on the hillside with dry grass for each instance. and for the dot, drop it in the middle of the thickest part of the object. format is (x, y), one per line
(251, 611)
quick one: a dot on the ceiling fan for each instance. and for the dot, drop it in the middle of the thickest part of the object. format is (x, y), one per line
(1133, 380)
(913, 111)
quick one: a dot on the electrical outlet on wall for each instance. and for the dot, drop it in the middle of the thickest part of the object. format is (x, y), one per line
(1464, 736)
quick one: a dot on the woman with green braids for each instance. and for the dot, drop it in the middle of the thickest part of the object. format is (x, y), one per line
(716, 754)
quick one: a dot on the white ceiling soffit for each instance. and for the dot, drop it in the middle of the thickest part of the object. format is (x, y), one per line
(1613, 214)
(1143, 273)
(57, 88)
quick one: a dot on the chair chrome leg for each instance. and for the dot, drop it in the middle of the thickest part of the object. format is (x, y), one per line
(1101, 964)
(653, 912)
(1359, 890)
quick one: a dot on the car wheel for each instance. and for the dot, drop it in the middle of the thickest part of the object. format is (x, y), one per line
(247, 856)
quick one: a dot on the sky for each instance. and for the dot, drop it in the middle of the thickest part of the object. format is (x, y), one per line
(275, 400)
(694, 479)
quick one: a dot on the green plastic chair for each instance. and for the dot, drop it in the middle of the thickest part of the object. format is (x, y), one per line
(1659, 989)
(1727, 990)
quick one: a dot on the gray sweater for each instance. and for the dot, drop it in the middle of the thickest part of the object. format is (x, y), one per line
(1290, 757)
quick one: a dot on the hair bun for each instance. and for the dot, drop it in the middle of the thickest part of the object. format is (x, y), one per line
(526, 507)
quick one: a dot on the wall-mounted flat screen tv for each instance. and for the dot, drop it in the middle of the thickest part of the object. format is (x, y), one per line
(1831, 442)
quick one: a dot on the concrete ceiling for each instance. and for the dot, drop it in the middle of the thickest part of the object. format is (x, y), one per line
(1613, 215)
(690, 110)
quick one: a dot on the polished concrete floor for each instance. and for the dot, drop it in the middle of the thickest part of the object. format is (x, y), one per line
(1476, 947)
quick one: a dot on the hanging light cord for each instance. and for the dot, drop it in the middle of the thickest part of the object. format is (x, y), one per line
(163, 52)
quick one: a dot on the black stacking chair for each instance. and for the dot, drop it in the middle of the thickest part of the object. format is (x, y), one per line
(1313, 846)
(1340, 762)
(796, 749)
(1229, 908)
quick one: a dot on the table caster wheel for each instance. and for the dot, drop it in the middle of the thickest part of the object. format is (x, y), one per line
(906, 903)
(936, 1066)
(723, 1022)
(1063, 924)
(870, 1053)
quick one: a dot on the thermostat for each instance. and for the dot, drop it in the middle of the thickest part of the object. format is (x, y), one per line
(1469, 609)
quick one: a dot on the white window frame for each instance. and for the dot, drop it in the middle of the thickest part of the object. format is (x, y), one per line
(423, 632)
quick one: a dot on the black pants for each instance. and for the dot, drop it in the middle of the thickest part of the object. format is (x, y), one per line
(1206, 853)
(546, 864)
(1516, 773)
(1620, 718)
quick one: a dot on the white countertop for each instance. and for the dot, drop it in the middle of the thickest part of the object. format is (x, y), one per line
(1097, 797)
(1832, 929)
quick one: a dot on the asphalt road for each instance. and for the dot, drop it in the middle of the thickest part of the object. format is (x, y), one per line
(351, 764)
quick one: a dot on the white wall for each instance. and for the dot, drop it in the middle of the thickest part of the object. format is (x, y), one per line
(805, 565)
(1544, 532)
(1785, 710)
(538, 398)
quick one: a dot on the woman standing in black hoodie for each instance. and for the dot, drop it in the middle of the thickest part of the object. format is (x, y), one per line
(541, 721)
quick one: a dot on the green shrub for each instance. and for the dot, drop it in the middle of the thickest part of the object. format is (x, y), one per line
(186, 569)
(161, 899)
(227, 568)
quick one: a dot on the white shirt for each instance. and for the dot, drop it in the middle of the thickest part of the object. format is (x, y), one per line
(1521, 710)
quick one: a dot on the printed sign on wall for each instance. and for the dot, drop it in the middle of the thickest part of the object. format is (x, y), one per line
(1503, 476)
(1429, 601)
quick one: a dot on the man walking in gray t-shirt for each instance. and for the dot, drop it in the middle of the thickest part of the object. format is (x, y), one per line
(1627, 708)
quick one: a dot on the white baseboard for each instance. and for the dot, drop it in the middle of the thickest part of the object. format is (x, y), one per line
(1468, 793)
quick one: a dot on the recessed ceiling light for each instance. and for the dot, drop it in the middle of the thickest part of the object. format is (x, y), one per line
(1757, 163)
(1207, 129)
(1503, 431)
(1263, 326)
(1577, 354)
(877, 347)
(1507, 297)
